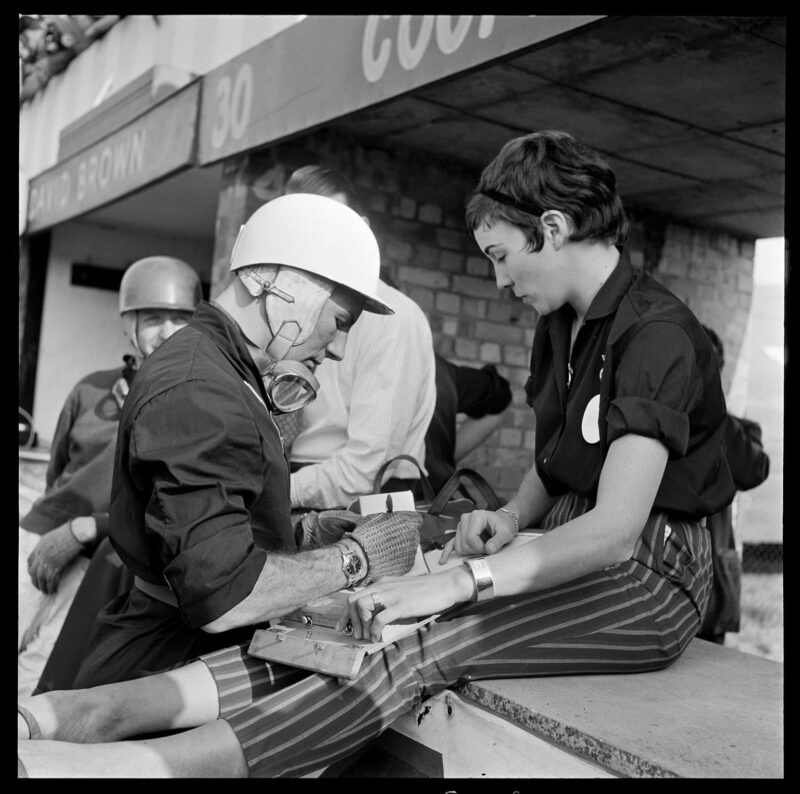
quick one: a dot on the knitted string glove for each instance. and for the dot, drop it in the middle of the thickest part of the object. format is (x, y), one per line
(52, 554)
(389, 541)
(322, 529)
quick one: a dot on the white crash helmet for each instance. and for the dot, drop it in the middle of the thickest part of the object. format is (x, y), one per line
(340, 248)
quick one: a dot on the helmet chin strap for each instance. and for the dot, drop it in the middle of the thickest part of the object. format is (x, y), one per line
(284, 340)
(293, 303)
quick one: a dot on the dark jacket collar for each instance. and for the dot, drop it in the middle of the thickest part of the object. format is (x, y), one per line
(224, 331)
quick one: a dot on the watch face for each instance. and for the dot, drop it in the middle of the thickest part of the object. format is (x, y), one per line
(352, 566)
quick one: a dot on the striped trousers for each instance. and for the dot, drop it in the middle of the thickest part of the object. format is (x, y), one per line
(636, 616)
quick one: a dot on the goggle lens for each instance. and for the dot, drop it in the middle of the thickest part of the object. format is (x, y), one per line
(290, 392)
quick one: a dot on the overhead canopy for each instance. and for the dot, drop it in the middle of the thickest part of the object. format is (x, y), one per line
(689, 110)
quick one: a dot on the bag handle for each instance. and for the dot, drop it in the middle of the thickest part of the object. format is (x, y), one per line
(451, 486)
(427, 489)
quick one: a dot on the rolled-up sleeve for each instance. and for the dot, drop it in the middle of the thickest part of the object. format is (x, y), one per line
(482, 391)
(657, 385)
(197, 451)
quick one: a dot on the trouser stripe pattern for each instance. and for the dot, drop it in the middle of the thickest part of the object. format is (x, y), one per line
(633, 617)
(244, 678)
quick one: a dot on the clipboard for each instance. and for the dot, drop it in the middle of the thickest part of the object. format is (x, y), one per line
(307, 638)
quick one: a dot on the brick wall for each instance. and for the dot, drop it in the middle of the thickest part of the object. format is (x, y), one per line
(713, 274)
(415, 205)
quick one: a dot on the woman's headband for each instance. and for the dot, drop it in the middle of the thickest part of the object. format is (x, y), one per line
(504, 198)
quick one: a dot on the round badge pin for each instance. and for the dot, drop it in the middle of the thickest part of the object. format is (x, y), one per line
(590, 426)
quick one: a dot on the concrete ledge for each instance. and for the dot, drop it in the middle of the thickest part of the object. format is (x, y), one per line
(715, 713)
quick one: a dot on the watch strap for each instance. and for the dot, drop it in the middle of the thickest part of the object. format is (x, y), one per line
(351, 559)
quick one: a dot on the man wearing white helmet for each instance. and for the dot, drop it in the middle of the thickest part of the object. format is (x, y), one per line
(200, 507)
(157, 295)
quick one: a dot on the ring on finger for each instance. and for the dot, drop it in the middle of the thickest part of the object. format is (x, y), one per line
(377, 604)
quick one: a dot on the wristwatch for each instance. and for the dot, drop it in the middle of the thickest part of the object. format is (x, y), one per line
(352, 564)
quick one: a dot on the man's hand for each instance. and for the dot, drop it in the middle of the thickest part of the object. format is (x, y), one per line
(390, 542)
(52, 554)
(322, 529)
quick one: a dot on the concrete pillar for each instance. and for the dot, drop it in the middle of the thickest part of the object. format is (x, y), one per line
(713, 273)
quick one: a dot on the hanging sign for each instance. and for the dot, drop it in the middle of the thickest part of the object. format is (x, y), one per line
(151, 146)
(325, 67)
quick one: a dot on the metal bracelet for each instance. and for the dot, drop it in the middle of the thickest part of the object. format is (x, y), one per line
(482, 579)
(513, 515)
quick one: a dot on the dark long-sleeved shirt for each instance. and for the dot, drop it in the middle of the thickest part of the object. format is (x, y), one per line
(78, 479)
(641, 363)
(200, 496)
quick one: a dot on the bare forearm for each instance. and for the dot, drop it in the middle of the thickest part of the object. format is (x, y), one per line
(582, 546)
(286, 582)
(606, 535)
(473, 432)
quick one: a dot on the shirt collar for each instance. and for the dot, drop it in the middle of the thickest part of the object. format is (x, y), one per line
(611, 293)
(604, 303)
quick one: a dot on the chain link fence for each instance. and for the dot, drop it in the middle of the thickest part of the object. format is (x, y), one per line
(761, 625)
(762, 558)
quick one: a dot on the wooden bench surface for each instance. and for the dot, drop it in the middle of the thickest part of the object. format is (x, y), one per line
(716, 712)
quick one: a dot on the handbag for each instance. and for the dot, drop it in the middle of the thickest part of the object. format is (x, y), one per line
(441, 512)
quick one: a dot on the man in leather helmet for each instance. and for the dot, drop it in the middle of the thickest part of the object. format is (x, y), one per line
(200, 507)
(157, 295)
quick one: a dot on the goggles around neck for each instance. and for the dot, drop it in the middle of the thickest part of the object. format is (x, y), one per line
(290, 386)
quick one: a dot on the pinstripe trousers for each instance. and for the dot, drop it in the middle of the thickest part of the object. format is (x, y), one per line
(636, 616)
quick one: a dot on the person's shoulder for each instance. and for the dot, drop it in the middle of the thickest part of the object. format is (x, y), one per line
(191, 389)
(408, 321)
(648, 304)
(99, 379)
(186, 357)
(399, 301)
(651, 300)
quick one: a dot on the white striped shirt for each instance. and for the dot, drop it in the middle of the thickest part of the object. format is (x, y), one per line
(374, 404)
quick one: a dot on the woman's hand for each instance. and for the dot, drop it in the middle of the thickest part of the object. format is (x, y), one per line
(480, 532)
(393, 598)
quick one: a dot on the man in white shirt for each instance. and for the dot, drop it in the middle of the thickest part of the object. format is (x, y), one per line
(375, 404)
